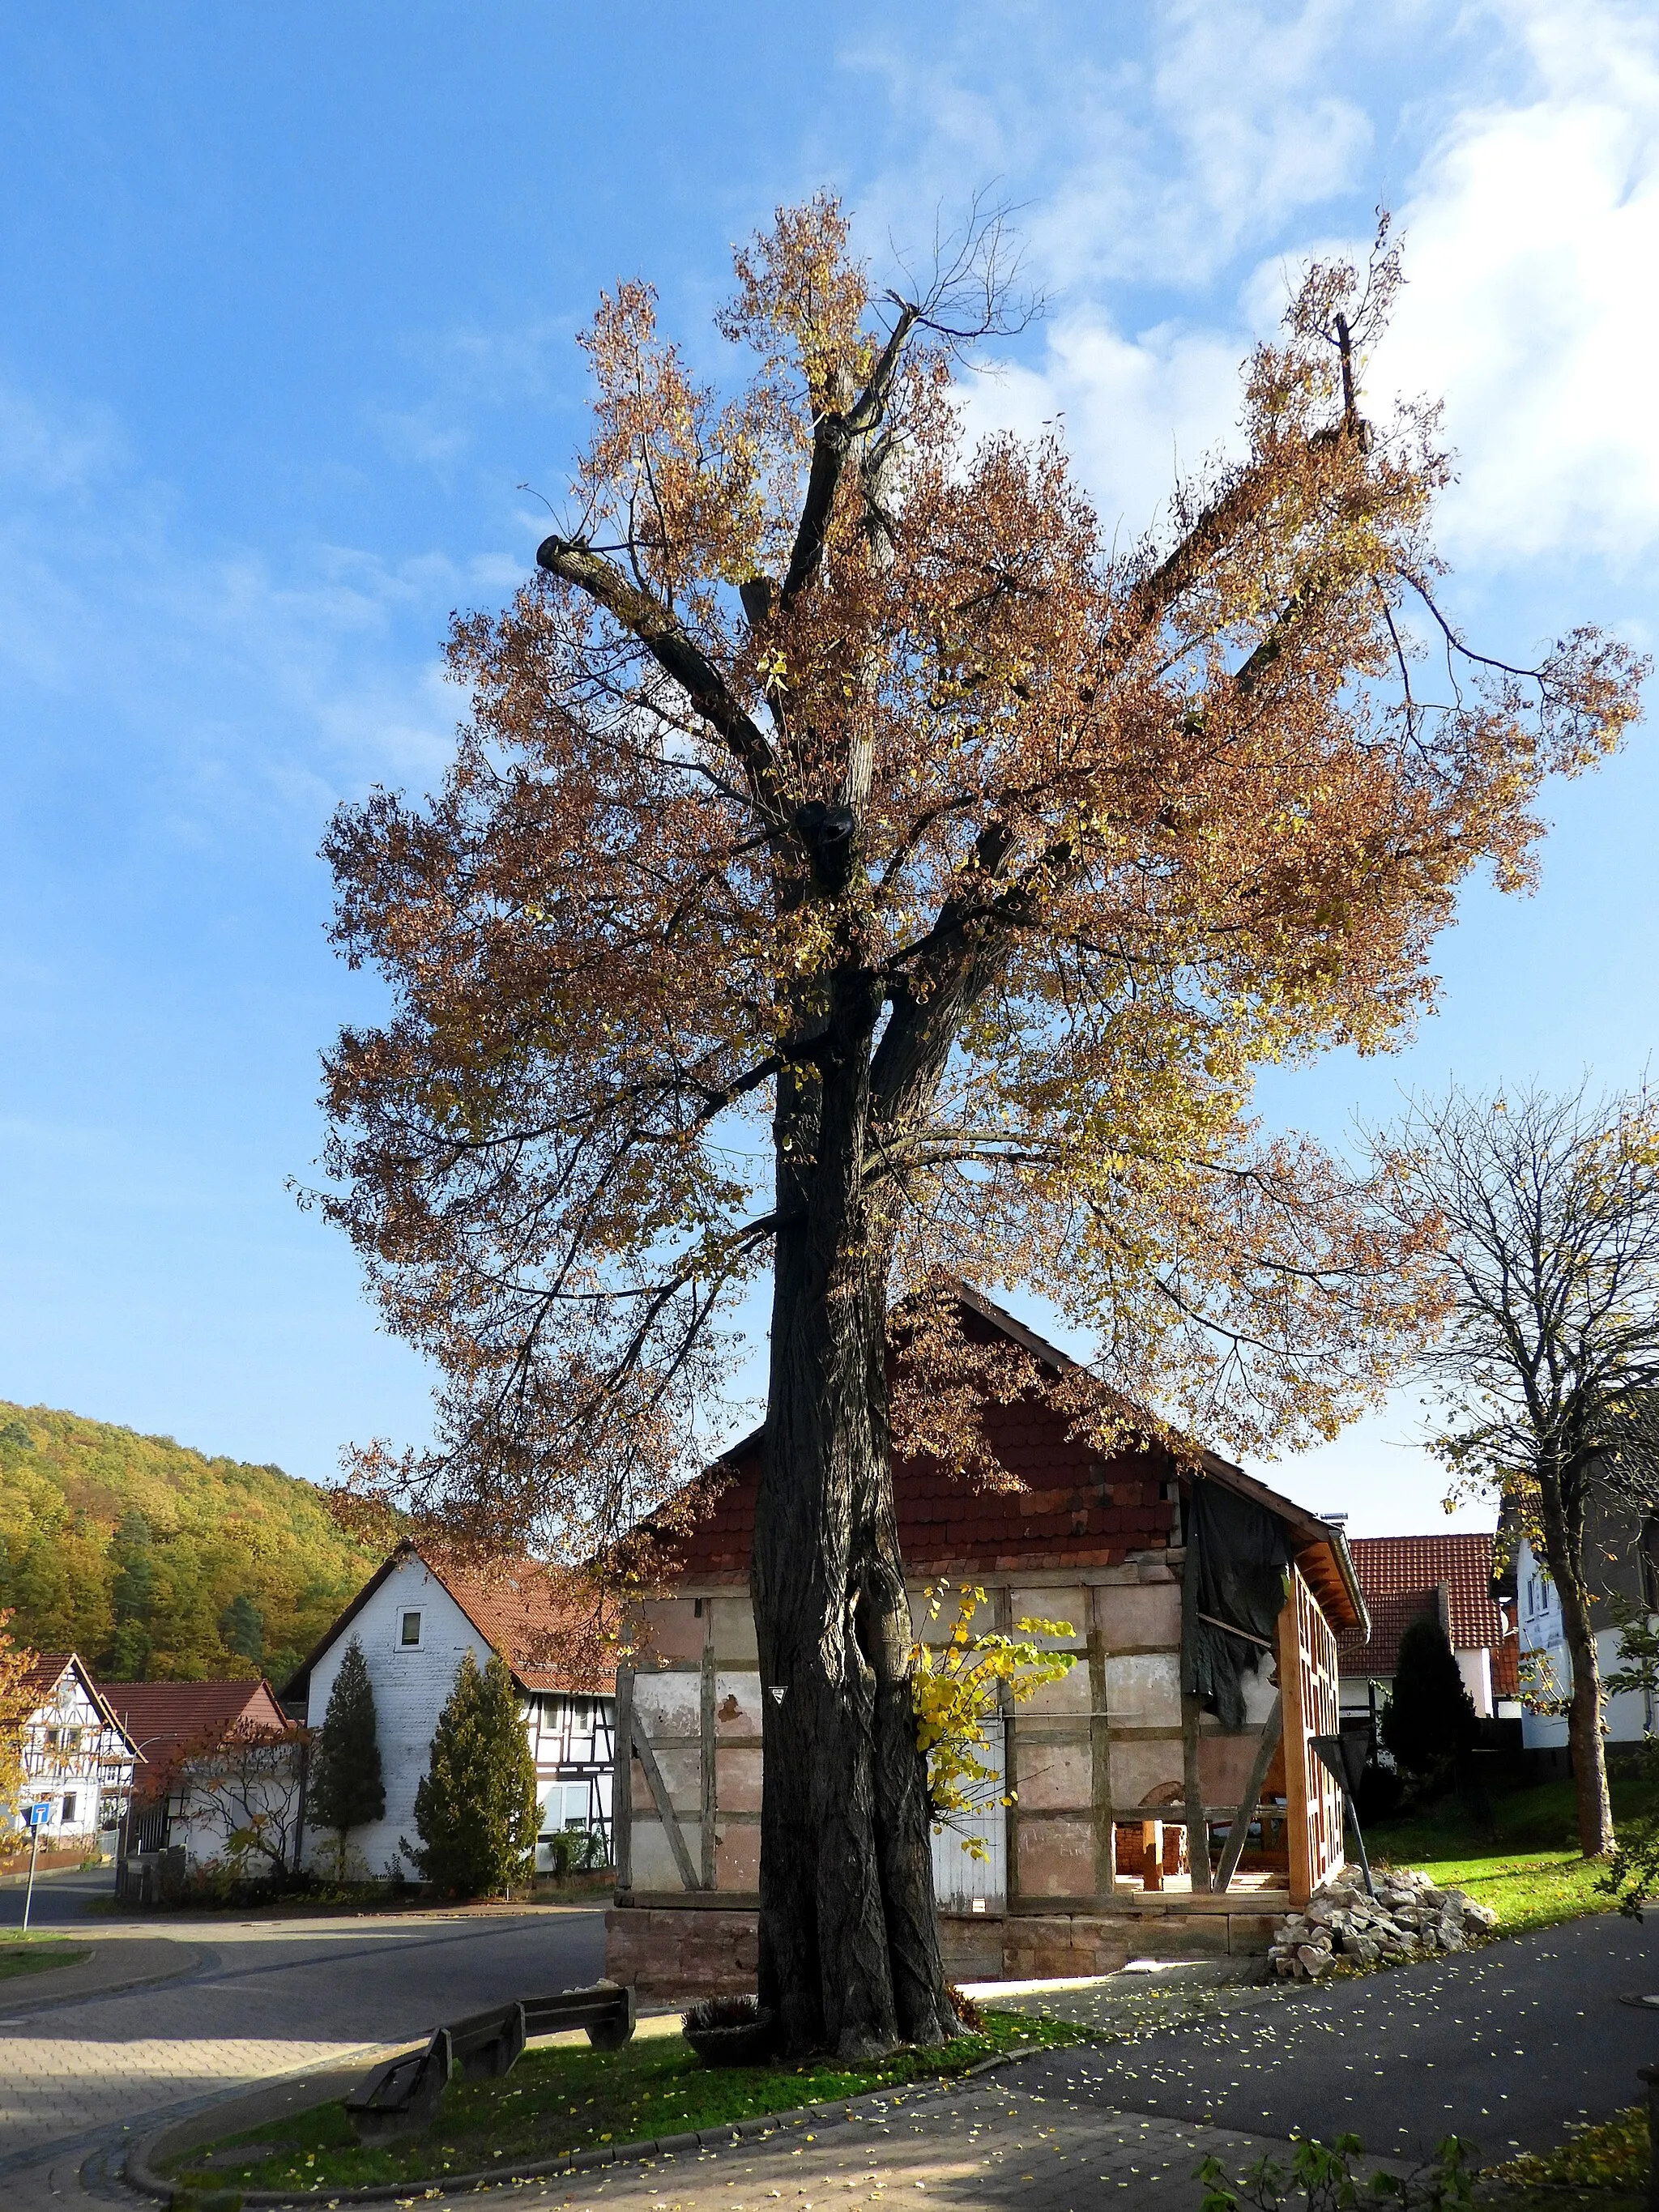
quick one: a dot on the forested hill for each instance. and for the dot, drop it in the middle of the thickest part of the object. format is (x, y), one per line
(155, 1563)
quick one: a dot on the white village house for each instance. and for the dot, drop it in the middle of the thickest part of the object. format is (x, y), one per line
(218, 1759)
(1621, 1561)
(77, 1760)
(414, 1620)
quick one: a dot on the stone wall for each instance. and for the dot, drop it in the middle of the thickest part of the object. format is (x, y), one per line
(674, 1954)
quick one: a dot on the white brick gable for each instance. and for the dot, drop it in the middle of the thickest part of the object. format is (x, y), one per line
(412, 1681)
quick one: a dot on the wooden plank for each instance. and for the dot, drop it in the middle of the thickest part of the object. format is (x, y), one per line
(1100, 1768)
(1151, 1855)
(707, 1813)
(1252, 1797)
(664, 1804)
(1003, 1618)
(1198, 1842)
(622, 1785)
(1300, 1880)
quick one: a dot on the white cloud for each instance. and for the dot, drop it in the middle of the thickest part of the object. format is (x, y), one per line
(1234, 127)
(1137, 411)
(1531, 228)
(1153, 162)
(258, 690)
(1532, 235)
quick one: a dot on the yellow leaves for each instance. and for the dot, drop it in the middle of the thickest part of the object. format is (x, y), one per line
(17, 1697)
(954, 1685)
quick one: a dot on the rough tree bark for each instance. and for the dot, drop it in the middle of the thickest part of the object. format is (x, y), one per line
(1561, 1510)
(849, 1951)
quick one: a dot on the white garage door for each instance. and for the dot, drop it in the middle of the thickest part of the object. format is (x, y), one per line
(961, 1880)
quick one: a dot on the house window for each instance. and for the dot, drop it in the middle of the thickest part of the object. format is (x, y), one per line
(69, 1809)
(410, 1637)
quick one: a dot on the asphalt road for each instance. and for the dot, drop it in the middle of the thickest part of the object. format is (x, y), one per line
(256, 2001)
(60, 1897)
(1503, 2046)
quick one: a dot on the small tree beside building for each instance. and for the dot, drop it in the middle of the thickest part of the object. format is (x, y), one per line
(348, 1788)
(475, 1811)
(1548, 1366)
(1431, 1724)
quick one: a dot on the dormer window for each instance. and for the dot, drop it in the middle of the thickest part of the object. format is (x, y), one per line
(411, 1636)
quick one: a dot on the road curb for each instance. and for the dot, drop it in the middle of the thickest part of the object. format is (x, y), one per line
(139, 2172)
(52, 1999)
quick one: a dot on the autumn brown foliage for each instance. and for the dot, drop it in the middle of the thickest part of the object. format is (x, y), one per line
(860, 868)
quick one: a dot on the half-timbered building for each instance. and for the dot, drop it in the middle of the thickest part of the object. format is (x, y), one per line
(1162, 1795)
(415, 1618)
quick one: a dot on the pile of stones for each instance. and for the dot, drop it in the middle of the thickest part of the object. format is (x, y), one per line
(1408, 1918)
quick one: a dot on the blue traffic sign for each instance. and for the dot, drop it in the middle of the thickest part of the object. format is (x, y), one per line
(37, 1816)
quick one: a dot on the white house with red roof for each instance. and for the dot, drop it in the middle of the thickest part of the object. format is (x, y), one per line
(1621, 1565)
(1447, 1577)
(218, 1756)
(415, 1618)
(77, 1760)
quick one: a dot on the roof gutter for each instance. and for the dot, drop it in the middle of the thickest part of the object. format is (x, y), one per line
(1350, 1573)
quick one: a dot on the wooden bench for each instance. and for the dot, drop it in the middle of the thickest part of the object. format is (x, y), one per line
(605, 2010)
(401, 2097)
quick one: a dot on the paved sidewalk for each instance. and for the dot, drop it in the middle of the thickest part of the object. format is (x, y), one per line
(999, 2141)
(125, 1960)
(268, 2000)
(1503, 2046)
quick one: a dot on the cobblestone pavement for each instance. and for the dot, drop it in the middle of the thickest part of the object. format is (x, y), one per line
(1002, 2140)
(267, 2000)
(1505, 2046)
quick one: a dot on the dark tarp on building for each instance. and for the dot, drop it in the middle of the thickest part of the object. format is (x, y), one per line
(1232, 1593)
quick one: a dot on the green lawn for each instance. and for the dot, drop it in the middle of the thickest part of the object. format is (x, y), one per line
(37, 1957)
(569, 2097)
(1522, 1861)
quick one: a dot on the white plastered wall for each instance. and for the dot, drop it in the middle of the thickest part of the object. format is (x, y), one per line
(411, 1684)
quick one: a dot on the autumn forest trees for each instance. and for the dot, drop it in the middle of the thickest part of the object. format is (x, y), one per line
(861, 866)
(156, 1562)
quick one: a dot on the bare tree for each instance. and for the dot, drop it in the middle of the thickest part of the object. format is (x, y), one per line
(240, 1794)
(1548, 1364)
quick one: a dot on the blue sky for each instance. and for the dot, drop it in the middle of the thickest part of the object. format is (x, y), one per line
(286, 304)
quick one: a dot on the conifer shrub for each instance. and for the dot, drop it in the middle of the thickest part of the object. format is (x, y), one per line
(1429, 1724)
(348, 1787)
(475, 1811)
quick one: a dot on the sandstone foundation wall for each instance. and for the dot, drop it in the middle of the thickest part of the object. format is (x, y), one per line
(674, 1954)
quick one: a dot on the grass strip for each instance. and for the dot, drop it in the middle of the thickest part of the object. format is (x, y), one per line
(1516, 1850)
(567, 2097)
(38, 1958)
(1536, 1890)
(1604, 2166)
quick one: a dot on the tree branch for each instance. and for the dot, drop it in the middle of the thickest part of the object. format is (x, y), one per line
(645, 618)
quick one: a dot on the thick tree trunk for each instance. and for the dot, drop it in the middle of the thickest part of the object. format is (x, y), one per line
(1563, 1549)
(849, 1940)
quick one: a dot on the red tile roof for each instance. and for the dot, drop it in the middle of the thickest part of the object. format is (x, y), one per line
(1074, 1508)
(48, 1670)
(159, 1716)
(517, 1607)
(547, 1637)
(1400, 1575)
